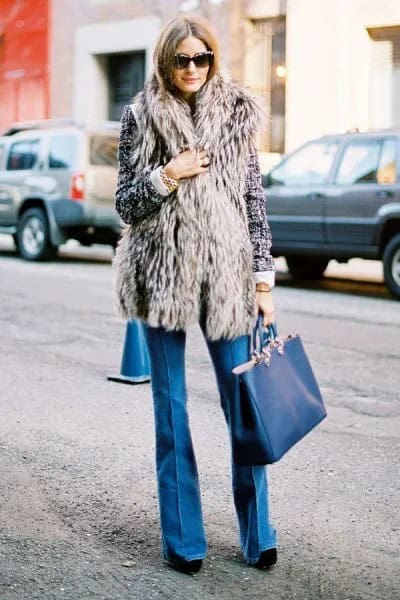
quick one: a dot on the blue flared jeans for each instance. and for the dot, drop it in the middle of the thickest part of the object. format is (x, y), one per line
(182, 528)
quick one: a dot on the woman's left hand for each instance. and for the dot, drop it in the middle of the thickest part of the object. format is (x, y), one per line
(265, 306)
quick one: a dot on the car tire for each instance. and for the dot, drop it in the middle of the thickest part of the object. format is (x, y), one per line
(33, 238)
(304, 267)
(391, 266)
(115, 242)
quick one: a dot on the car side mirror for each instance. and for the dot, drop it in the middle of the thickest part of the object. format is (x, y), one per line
(266, 180)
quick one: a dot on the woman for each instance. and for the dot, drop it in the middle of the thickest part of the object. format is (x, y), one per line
(196, 250)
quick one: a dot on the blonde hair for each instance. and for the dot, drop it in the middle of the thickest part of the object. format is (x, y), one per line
(171, 36)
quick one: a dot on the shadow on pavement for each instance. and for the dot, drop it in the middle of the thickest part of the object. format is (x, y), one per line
(65, 256)
(338, 285)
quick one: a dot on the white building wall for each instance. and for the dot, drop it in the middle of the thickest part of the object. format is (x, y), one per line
(92, 42)
(329, 64)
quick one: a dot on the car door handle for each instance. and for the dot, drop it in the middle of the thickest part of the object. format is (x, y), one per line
(315, 196)
(385, 193)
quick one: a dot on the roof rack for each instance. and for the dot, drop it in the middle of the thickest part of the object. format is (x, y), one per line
(393, 129)
(52, 123)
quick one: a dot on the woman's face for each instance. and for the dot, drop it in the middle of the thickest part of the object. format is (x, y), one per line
(189, 80)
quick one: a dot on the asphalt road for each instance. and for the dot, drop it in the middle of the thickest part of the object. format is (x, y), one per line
(78, 507)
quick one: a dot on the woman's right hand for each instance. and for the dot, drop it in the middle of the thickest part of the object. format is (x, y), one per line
(187, 164)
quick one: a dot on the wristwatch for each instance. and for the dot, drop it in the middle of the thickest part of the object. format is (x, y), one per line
(263, 287)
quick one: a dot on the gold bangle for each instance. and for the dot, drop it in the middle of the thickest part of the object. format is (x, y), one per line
(263, 287)
(170, 183)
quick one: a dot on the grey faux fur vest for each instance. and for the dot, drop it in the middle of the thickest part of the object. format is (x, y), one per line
(194, 252)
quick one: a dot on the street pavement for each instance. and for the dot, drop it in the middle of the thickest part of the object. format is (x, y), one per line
(78, 505)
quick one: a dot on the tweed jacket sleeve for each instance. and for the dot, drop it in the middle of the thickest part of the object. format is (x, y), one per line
(136, 195)
(260, 233)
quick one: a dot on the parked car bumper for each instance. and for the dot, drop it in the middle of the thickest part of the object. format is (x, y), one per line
(68, 213)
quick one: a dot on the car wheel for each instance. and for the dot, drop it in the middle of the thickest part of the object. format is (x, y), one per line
(33, 239)
(114, 242)
(391, 265)
(304, 267)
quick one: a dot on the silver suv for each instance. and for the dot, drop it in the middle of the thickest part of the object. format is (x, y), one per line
(57, 182)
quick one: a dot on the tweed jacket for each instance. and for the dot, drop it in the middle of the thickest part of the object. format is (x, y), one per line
(193, 251)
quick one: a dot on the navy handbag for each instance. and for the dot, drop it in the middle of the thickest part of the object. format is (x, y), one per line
(279, 400)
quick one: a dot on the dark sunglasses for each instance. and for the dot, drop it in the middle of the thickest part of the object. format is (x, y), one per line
(201, 60)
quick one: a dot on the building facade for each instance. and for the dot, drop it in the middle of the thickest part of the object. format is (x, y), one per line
(104, 49)
(85, 59)
(24, 60)
(320, 66)
(317, 66)
(99, 57)
(343, 67)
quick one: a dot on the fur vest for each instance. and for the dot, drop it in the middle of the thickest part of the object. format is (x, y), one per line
(194, 253)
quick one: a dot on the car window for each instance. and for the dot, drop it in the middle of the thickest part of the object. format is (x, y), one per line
(23, 155)
(359, 163)
(63, 152)
(387, 168)
(309, 165)
(103, 150)
(1, 154)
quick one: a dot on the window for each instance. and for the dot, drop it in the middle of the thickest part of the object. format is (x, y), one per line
(62, 153)
(264, 72)
(126, 74)
(23, 155)
(387, 171)
(309, 165)
(359, 163)
(103, 150)
(1, 155)
(384, 61)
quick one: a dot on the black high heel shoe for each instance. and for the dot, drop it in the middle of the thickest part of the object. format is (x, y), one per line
(267, 559)
(185, 566)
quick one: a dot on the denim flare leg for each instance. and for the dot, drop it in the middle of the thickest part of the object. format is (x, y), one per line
(182, 527)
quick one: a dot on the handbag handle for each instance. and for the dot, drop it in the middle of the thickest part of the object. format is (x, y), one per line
(265, 335)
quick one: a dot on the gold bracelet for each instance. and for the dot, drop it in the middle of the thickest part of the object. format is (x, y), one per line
(263, 287)
(170, 183)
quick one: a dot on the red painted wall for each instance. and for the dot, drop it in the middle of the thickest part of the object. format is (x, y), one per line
(24, 58)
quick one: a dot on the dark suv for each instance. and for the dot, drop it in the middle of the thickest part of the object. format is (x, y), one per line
(338, 197)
